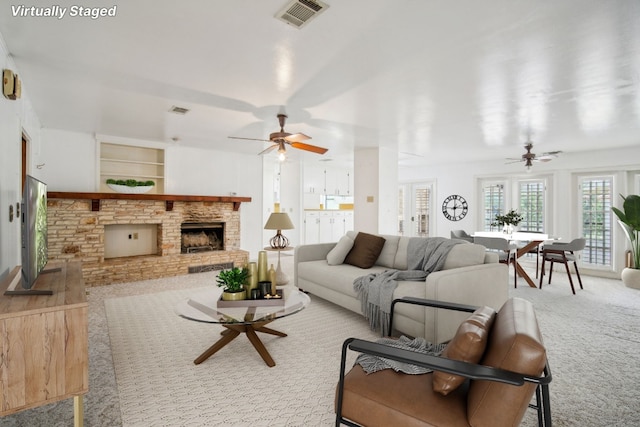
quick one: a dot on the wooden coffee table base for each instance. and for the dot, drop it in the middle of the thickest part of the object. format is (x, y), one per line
(232, 331)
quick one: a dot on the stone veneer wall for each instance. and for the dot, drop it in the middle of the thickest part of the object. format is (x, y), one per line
(77, 233)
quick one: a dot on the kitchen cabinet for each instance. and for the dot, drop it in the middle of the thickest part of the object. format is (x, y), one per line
(314, 179)
(327, 226)
(311, 227)
(319, 179)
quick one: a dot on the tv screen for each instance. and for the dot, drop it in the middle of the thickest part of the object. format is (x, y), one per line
(34, 230)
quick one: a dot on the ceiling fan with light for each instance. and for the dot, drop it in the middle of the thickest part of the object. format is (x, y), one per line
(281, 139)
(528, 158)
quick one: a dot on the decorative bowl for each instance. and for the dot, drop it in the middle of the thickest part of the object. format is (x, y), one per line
(130, 190)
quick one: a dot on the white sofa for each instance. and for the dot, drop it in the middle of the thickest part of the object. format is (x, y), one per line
(470, 276)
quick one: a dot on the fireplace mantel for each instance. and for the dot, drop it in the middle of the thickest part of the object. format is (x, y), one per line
(167, 198)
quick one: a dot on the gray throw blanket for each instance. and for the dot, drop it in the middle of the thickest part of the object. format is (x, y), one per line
(371, 364)
(375, 291)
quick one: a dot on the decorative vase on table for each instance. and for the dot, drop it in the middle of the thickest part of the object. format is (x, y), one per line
(252, 282)
(263, 268)
(272, 279)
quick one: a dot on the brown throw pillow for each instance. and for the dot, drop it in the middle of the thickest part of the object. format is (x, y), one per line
(366, 250)
(467, 345)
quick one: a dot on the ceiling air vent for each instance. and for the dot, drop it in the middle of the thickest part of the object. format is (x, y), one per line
(299, 12)
(178, 110)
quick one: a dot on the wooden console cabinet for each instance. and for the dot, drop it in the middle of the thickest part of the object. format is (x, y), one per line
(44, 342)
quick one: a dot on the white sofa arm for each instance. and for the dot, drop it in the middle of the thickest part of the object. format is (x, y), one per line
(313, 252)
(478, 285)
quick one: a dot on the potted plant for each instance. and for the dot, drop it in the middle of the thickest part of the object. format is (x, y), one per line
(629, 220)
(130, 185)
(509, 221)
(233, 281)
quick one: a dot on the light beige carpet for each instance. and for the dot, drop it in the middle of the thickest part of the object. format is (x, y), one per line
(158, 384)
(593, 340)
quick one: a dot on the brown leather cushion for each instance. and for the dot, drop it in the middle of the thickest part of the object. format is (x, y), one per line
(467, 345)
(515, 344)
(366, 250)
(389, 398)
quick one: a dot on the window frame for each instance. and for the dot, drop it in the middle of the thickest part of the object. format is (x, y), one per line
(608, 215)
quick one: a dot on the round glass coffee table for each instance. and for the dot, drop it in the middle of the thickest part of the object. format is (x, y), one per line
(242, 317)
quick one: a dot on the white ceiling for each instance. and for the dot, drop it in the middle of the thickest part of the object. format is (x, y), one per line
(436, 80)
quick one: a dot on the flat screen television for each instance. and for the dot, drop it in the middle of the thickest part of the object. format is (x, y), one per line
(33, 230)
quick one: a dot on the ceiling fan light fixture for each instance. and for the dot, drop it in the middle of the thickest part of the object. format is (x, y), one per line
(282, 152)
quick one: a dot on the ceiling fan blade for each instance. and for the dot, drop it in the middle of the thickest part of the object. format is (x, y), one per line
(550, 155)
(250, 139)
(268, 149)
(308, 147)
(294, 137)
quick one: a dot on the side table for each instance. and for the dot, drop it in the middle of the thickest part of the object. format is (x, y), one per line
(281, 278)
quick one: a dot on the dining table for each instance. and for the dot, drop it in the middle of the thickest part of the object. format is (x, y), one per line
(532, 240)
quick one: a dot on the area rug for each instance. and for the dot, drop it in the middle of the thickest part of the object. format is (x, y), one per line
(593, 340)
(159, 385)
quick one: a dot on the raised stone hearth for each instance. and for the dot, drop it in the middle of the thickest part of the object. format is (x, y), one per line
(77, 232)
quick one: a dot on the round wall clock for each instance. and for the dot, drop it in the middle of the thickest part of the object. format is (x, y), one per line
(454, 207)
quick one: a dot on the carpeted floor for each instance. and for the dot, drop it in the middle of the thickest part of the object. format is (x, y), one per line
(593, 340)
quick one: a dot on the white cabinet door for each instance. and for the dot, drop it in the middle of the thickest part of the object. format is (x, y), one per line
(342, 180)
(311, 227)
(326, 224)
(337, 226)
(348, 221)
(314, 180)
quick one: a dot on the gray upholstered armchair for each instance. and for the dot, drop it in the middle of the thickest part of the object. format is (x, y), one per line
(564, 253)
(461, 235)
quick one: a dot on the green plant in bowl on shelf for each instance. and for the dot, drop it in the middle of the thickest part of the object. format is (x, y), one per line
(130, 182)
(232, 281)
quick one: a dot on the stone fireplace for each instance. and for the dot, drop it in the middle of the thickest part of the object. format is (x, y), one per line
(77, 223)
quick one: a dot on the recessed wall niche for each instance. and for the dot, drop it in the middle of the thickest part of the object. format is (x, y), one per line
(122, 240)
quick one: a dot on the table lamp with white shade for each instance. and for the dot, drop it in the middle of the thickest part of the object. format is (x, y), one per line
(279, 221)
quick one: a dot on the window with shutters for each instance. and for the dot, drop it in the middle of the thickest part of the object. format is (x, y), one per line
(532, 205)
(595, 210)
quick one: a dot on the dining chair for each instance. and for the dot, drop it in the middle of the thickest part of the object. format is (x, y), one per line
(461, 235)
(564, 253)
(507, 252)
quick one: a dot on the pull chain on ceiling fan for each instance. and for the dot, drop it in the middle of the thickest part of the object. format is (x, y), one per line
(281, 139)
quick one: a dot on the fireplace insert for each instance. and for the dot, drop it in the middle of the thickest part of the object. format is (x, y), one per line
(202, 237)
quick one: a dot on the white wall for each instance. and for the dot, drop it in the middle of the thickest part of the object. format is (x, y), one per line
(16, 116)
(70, 164)
(464, 179)
(67, 161)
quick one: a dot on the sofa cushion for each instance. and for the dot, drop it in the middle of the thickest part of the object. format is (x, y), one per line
(464, 255)
(338, 278)
(401, 262)
(388, 255)
(339, 252)
(468, 345)
(365, 251)
(515, 344)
